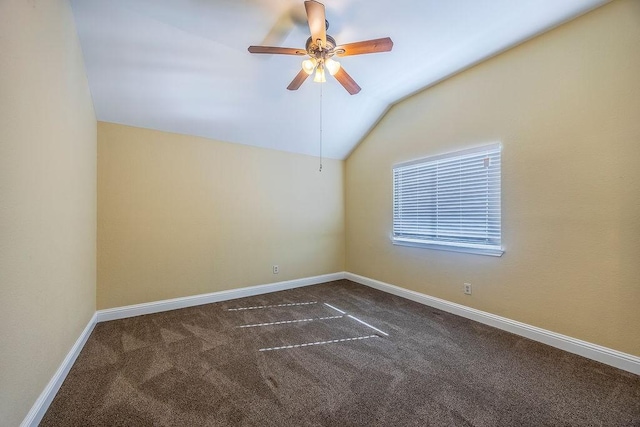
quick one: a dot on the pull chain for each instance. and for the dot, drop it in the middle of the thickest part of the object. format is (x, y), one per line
(320, 128)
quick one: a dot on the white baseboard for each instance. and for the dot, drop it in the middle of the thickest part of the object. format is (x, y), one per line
(190, 301)
(41, 405)
(595, 352)
(605, 355)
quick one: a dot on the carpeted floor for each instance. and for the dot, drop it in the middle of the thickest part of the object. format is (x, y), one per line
(220, 365)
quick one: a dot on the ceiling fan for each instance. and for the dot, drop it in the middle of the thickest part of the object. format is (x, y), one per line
(321, 47)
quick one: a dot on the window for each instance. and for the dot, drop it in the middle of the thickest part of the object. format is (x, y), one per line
(449, 202)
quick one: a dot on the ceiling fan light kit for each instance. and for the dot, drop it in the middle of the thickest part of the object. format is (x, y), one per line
(321, 47)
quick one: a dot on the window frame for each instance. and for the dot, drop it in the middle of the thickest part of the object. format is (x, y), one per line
(449, 245)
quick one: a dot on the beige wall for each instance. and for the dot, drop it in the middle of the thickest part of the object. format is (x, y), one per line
(181, 215)
(47, 198)
(566, 107)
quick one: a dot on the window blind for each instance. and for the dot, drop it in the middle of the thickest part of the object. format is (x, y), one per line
(450, 201)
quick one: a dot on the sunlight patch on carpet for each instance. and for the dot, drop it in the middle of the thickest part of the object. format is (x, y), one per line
(285, 347)
(258, 307)
(284, 322)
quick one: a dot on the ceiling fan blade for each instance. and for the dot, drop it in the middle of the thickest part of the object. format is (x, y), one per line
(279, 31)
(294, 16)
(367, 46)
(317, 21)
(298, 80)
(277, 50)
(346, 81)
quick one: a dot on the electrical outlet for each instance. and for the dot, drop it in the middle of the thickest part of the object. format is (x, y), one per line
(467, 288)
(276, 269)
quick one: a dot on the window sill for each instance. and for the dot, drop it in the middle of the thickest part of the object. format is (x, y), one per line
(450, 248)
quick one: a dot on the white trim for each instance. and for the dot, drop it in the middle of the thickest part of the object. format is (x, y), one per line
(193, 300)
(586, 349)
(41, 405)
(595, 352)
(415, 243)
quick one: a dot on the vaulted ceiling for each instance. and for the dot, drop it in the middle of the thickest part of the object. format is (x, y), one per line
(182, 65)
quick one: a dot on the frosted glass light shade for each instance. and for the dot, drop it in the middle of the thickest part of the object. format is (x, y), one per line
(308, 65)
(332, 66)
(319, 78)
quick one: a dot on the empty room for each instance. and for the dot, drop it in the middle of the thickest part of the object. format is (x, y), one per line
(319, 213)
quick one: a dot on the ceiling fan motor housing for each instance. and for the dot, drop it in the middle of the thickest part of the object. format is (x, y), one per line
(324, 52)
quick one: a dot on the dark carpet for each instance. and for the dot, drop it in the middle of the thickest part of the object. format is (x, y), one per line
(198, 366)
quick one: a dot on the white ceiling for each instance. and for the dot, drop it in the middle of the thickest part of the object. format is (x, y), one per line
(182, 65)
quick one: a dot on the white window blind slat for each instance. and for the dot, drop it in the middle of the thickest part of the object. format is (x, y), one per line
(450, 200)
